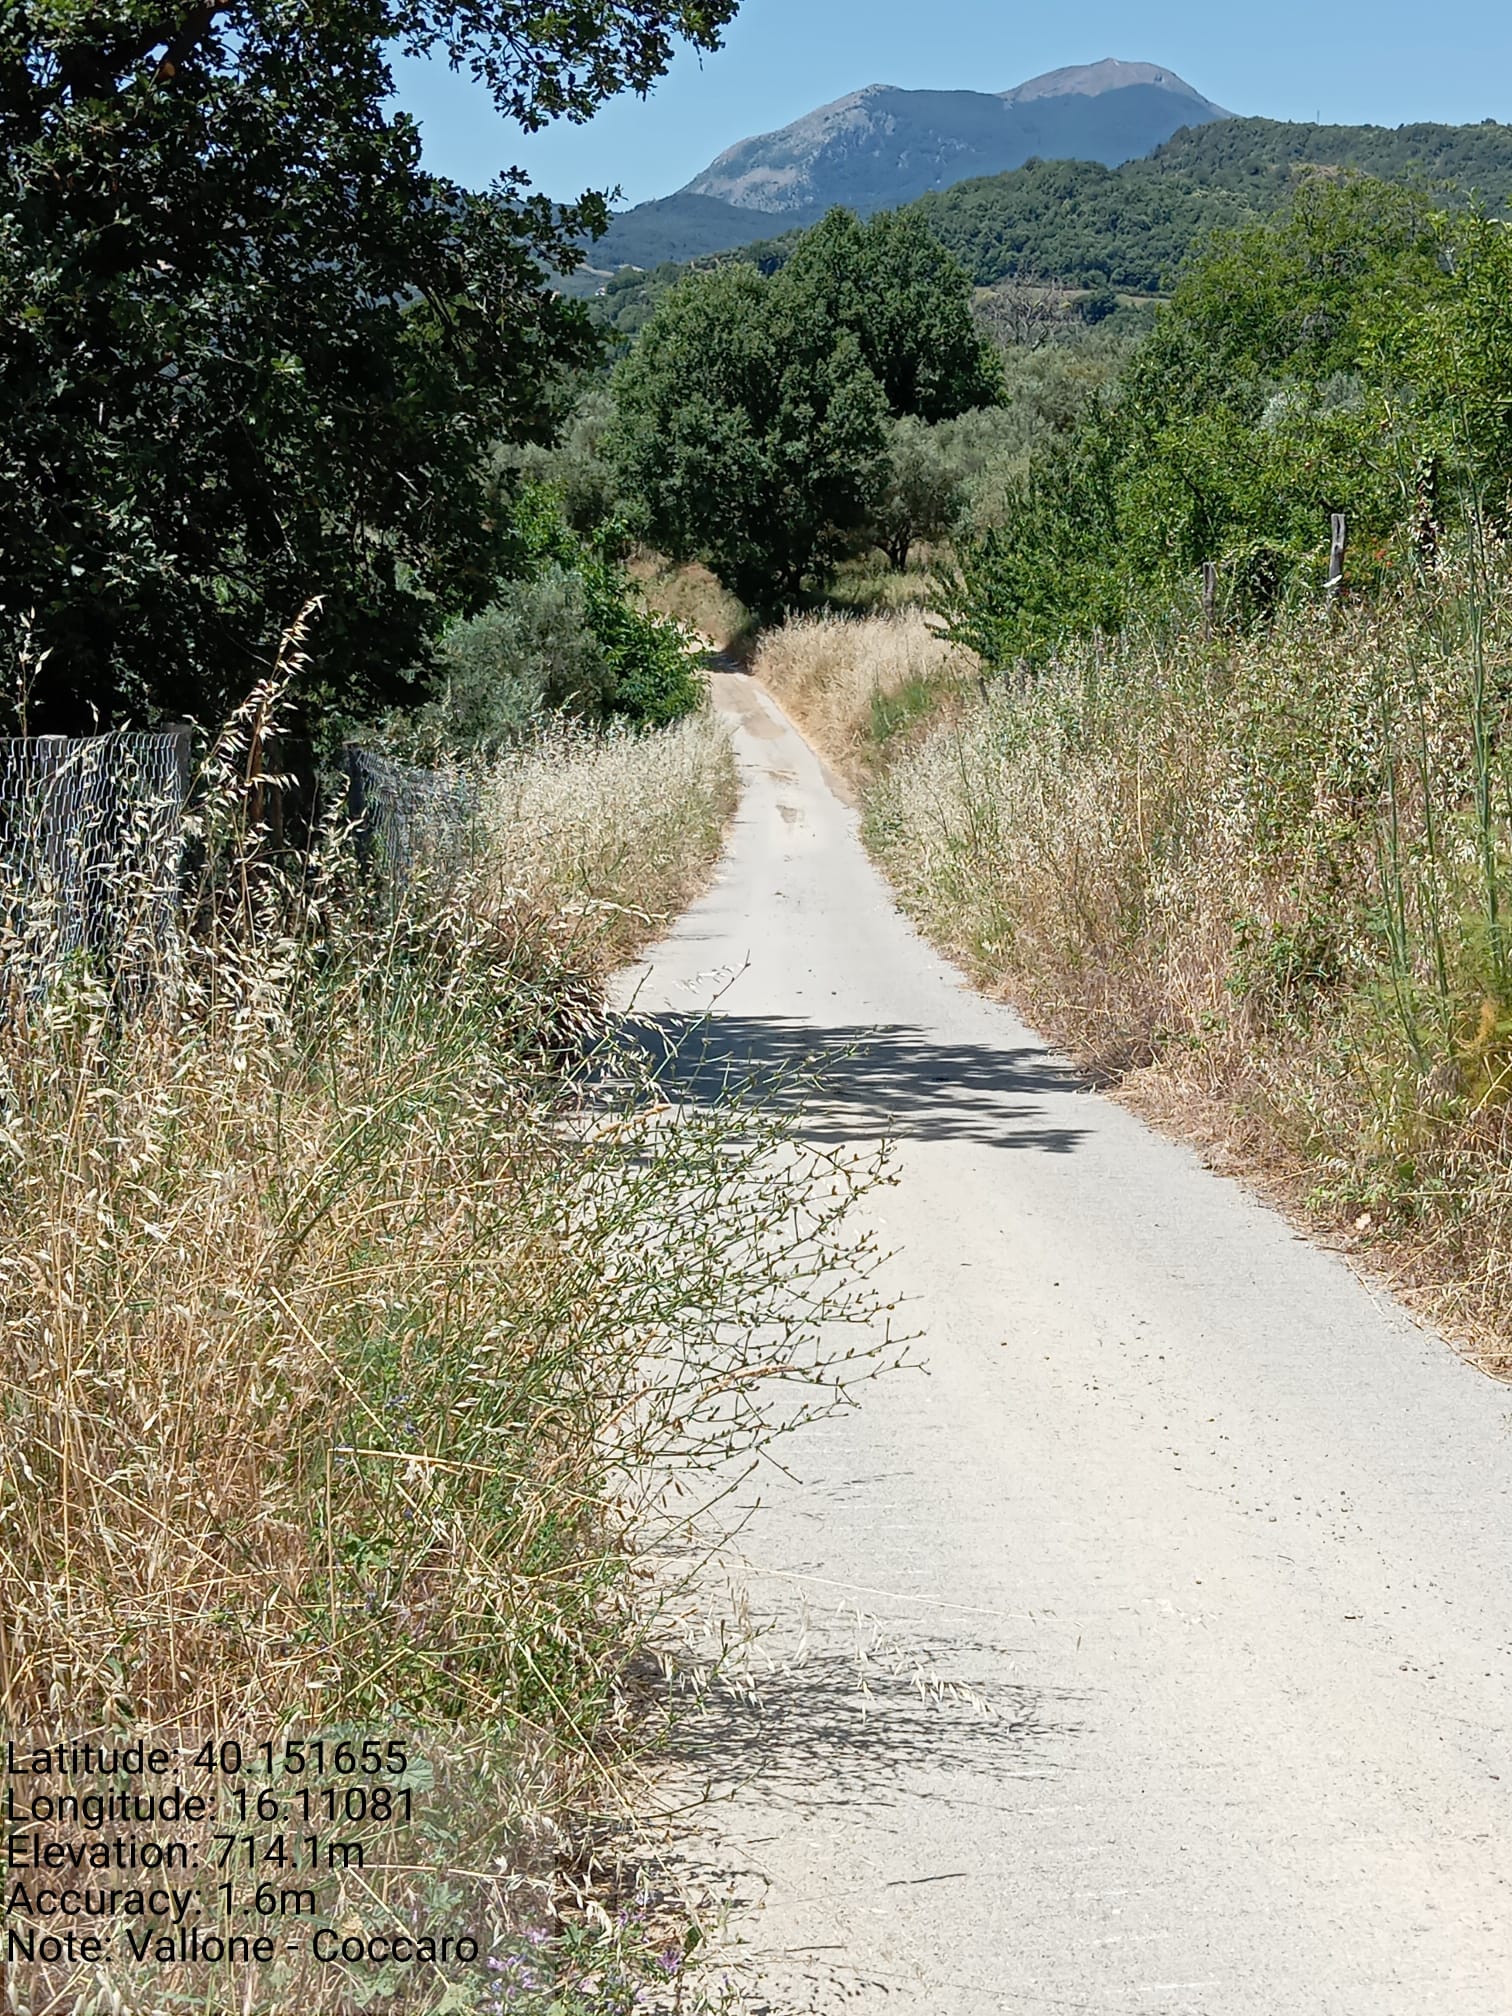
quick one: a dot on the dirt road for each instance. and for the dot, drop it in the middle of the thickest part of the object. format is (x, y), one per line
(1181, 1586)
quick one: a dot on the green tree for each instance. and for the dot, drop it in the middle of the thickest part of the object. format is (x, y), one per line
(1290, 377)
(908, 304)
(924, 489)
(1296, 300)
(1454, 348)
(250, 352)
(750, 433)
(753, 411)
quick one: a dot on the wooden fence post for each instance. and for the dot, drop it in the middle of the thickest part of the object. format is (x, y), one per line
(1339, 527)
(1425, 483)
(182, 734)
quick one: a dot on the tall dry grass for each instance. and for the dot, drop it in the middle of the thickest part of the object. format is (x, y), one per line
(853, 683)
(349, 1324)
(690, 595)
(1275, 878)
(611, 834)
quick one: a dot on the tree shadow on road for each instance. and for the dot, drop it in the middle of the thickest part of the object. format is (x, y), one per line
(825, 1731)
(839, 1728)
(853, 1082)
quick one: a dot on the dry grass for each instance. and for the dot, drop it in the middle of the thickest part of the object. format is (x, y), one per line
(1271, 881)
(869, 585)
(853, 683)
(338, 1325)
(691, 596)
(613, 834)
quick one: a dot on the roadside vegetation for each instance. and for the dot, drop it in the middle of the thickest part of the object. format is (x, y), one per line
(855, 685)
(1244, 854)
(1261, 883)
(360, 1286)
(359, 1295)
(571, 639)
(1348, 357)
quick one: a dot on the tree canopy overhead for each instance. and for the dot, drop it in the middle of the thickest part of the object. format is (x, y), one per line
(250, 351)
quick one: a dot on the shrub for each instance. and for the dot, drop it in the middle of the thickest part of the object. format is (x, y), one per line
(570, 638)
(576, 468)
(532, 650)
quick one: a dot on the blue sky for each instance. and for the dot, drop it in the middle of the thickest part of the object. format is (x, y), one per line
(1382, 60)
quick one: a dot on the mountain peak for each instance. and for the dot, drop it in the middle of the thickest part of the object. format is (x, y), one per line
(883, 145)
(1091, 80)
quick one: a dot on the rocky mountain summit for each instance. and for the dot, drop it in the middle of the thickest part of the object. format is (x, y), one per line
(883, 146)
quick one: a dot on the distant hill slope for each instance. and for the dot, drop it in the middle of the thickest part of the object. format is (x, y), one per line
(1077, 221)
(685, 227)
(1132, 226)
(881, 147)
(1242, 151)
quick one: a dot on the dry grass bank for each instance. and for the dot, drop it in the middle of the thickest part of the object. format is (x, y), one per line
(869, 585)
(691, 596)
(854, 684)
(341, 1330)
(1272, 881)
(613, 834)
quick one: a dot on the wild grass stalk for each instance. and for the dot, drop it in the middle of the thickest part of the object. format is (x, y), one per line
(1270, 875)
(856, 683)
(350, 1328)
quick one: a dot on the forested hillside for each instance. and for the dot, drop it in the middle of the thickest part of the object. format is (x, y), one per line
(1240, 153)
(1132, 228)
(1124, 227)
(685, 226)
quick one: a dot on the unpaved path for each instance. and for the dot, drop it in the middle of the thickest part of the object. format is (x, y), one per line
(1181, 1586)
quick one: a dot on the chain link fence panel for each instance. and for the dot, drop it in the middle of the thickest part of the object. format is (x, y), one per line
(92, 848)
(411, 823)
(91, 857)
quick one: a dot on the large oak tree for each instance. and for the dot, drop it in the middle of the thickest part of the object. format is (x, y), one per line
(251, 352)
(752, 415)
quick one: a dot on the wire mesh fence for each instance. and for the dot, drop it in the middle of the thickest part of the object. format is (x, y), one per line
(411, 823)
(91, 852)
(92, 845)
